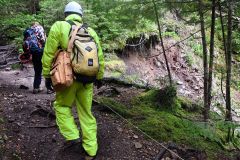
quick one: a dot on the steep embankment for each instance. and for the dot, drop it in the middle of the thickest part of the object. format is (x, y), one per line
(145, 66)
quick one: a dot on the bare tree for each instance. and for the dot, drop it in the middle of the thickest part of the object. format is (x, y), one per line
(205, 59)
(211, 58)
(161, 39)
(224, 44)
(229, 62)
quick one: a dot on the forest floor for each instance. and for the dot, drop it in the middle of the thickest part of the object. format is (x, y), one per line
(29, 132)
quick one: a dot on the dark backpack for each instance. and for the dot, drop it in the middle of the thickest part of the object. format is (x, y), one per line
(30, 41)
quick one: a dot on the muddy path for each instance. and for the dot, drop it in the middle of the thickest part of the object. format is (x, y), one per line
(29, 131)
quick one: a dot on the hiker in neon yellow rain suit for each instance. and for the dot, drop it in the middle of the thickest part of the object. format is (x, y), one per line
(81, 94)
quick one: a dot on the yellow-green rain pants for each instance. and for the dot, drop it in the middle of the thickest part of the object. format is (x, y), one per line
(82, 95)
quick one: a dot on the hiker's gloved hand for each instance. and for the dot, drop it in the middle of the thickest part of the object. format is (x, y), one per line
(48, 83)
(98, 83)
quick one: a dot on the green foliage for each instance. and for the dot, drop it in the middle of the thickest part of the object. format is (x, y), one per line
(16, 156)
(189, 58)
(173, 35)
(197, 48)
(116, 21)
(119, 108)
(236, 41)
(189, 106)
(16, 66)
(14, 19)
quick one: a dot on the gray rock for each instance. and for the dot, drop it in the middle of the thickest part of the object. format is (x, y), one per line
(196, 88)
(19, 96)
(137, 145)
(119, 129)
(135, 136)
(179, 82)
(7, 69)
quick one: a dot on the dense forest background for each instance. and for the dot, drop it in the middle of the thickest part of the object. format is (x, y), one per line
(208, 33)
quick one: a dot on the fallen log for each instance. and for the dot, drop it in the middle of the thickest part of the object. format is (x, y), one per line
(125, 83)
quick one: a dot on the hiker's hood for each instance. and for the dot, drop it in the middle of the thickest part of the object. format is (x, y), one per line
(74, 17)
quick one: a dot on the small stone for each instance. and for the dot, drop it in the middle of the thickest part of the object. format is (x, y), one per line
(7, 69)
(135, 136)
(179, 82)
(5, 137)
(137, 145)
(20, 96)
(10, 119)
(54, 138)
(196, 88)
(119, 129)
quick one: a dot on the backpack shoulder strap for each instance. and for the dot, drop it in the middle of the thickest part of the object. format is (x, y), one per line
(71, 23)
(70, 43)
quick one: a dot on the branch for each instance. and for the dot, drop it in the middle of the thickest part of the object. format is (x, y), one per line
(191, 35)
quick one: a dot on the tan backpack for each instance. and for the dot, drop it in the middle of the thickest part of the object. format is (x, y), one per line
(84, 57)
(61, 71)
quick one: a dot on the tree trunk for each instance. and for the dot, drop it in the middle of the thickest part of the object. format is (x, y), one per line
(211, 55)
(161, 39)
(229, 63)
(224, 44)
(205, 63)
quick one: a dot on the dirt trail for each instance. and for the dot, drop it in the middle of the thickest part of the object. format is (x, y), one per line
(23, 112)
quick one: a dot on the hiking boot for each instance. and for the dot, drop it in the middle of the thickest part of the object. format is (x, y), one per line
(72, 143)
(37, 90)
(88, 157)
(50, 91)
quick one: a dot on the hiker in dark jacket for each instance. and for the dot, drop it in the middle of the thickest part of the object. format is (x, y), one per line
(34, 45)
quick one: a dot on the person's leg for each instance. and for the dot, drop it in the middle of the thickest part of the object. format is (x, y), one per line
(37, 65)
(87, 120)
(63, 110)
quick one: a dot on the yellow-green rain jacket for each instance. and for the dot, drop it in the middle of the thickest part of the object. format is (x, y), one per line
(58, 37)
(81, 94)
